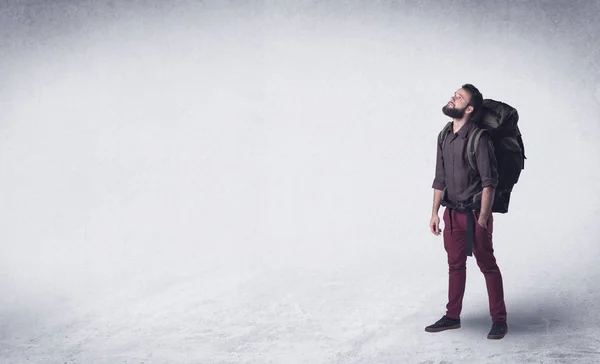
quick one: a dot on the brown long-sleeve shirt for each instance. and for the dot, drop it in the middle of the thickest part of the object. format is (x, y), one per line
(452, 169)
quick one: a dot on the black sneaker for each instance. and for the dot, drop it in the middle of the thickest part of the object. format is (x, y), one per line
(499, 329)
(445, 323)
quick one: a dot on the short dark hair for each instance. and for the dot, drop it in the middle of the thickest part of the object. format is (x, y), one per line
(476, 98)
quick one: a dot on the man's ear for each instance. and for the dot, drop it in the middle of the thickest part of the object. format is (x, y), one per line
(469, 109)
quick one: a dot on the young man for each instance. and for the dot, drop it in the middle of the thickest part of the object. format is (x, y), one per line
(468, 222)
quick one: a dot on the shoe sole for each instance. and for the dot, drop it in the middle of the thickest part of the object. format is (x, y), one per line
(497, 337)
(433, 329)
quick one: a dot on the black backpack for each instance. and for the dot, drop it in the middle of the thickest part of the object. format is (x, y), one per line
(500, 121)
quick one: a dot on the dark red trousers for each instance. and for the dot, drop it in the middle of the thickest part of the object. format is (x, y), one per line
(483, 251)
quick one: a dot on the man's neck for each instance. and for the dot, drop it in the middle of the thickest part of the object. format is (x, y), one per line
(459, 123)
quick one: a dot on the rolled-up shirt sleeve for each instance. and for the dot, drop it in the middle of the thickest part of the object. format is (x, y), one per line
(486, 162)
(439, 182)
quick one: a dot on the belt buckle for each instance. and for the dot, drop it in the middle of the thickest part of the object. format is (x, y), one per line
(461, 206)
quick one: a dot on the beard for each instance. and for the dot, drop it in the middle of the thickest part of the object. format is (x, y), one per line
(454, 112)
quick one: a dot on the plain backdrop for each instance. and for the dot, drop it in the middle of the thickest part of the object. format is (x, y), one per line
(228, 182)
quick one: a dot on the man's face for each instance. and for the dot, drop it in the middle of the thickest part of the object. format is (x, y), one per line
(457, 105)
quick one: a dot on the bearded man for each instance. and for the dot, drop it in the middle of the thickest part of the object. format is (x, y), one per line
(470, 224)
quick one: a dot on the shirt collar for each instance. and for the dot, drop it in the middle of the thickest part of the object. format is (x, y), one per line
(464, 130)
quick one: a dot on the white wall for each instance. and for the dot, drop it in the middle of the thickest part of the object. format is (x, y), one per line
(139, 144)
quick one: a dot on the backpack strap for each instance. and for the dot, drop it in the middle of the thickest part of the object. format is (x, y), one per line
(472, 144)
(520, 141)
(444, 133)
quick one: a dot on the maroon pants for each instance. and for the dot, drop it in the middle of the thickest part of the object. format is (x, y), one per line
(455, 243)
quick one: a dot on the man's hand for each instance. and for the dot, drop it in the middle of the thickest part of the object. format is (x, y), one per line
(434, 225)
(482, 221)
(487, 198)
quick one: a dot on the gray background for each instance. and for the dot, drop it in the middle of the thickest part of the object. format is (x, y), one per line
(224, 182)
